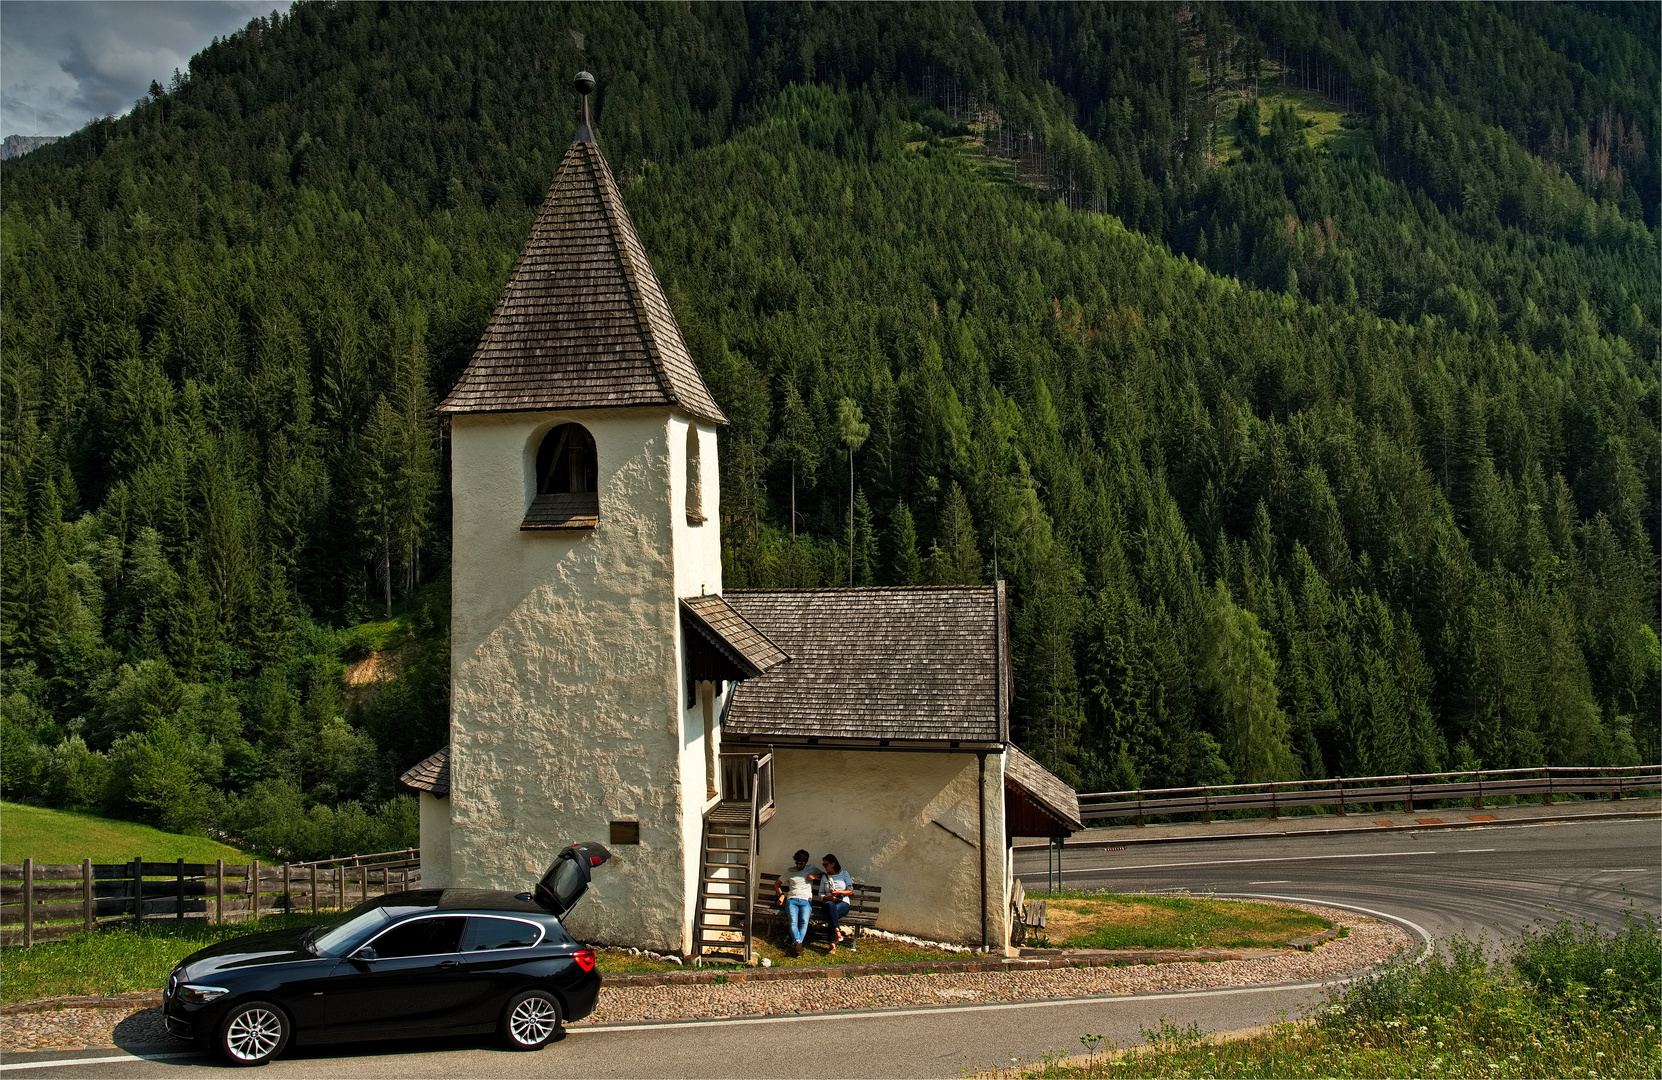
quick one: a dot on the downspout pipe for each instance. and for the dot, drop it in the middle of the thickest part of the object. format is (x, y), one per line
(981, 800)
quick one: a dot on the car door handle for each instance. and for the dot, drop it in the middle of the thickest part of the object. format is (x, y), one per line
(450, 965)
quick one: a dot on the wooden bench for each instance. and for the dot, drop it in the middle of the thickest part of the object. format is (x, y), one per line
(862, 907)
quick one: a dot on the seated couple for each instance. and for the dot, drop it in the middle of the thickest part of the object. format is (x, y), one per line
(797, 887)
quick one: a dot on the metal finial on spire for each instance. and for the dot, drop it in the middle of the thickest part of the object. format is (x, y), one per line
(585, 86)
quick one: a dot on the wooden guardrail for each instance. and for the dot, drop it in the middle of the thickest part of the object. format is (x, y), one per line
(50, 901)
(1342, 793)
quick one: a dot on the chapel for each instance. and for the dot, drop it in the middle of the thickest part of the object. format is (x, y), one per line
(605, 687)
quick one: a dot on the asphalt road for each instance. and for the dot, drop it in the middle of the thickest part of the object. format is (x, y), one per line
(1482, 880)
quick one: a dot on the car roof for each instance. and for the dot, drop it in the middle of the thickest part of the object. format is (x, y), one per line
(484, 900)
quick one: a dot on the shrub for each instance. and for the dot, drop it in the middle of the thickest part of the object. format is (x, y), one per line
(1576, 959)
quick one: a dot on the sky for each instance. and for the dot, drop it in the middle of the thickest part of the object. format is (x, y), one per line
(65, 62)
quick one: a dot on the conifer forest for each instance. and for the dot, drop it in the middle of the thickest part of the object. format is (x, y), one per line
(1295, 365)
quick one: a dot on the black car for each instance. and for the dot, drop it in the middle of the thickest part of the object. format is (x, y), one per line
(425, 962)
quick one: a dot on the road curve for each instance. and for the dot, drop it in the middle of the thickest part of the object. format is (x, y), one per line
(1493, 880)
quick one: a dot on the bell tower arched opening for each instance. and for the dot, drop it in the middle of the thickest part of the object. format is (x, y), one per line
(568, 481)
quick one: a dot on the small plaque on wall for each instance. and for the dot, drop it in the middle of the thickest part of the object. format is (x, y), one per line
(626, 832)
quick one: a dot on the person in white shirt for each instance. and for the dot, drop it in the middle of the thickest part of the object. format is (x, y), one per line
(836, 889)
(796, 894)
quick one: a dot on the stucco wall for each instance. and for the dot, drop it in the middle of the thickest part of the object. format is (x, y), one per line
(697, 570)
(565, 674)
(435, 841)
(908, 822)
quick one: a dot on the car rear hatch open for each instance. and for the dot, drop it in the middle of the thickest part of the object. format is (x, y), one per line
(568, 879)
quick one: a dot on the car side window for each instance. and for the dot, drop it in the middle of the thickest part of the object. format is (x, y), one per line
(419, 937)
(484, 935)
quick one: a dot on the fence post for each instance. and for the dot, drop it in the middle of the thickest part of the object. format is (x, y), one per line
(1546, 796)
(1477, 800)
(254, 891)
(288, 901)
(87, 906)
(179, 892)
(1275, 811)
(314, 888)
(1341, 787)
(1206, 805)
(340, 886)
(28, 902)
(1409, 780)
(138, 891)
(219, 892)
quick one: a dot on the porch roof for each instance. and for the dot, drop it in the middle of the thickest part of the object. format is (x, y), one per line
(746, 647)
(927, 665)
(1045, 791)
(430, 774)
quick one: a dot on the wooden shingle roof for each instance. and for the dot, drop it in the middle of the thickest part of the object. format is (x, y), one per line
(1044, 788)
(925, 664)
(748, 648)
(582, 323)
(430, 774)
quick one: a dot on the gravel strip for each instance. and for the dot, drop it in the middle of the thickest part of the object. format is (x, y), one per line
(85, 1029)
(1370, 942)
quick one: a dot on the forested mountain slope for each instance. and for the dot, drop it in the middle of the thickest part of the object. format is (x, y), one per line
(1306, 447)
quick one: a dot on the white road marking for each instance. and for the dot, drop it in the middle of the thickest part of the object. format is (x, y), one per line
(1277, 881)
(1473, 850)
(1413, 927)
(1233, 862)
(111, 1060)
(1633, 870)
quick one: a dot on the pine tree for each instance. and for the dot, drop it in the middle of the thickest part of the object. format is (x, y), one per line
(852, 430)
(797, 443)
(953, 558)
(865, 542)
(905, 567)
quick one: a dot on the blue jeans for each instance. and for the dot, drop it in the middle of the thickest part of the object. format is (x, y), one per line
(834, 912)
(798, 911)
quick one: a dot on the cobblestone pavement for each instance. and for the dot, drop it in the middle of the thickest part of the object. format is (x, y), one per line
(1370, 942)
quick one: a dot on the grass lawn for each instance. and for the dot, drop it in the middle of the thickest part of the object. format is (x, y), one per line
(1086, 920)
(116, 961)
(58, 836)
(121, 961)
(771, 945)
(1569, 1001)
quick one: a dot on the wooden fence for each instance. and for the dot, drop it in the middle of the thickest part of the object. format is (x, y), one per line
(1345, 793)
(46, 902)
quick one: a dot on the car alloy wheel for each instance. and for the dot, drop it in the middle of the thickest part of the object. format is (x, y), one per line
(253, 1034)
(530, 1020)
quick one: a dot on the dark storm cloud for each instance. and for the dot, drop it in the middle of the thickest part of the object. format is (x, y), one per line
(68, 62)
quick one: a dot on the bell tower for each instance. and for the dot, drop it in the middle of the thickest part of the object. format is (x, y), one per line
(585, 491)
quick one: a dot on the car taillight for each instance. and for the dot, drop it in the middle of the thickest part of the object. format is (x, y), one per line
(584, 958)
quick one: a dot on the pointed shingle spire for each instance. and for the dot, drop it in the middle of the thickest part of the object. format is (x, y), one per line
(583, 323)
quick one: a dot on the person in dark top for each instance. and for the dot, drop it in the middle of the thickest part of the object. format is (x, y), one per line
(836, 889)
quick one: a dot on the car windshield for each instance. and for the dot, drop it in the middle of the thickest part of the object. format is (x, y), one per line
(338, 935)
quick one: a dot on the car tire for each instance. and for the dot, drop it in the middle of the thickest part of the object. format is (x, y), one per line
(252, 1033)
(530, 1019)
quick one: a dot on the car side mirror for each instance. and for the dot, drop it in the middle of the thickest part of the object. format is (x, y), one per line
(365, 953)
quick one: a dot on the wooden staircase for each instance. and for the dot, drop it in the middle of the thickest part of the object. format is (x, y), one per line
(727, 864)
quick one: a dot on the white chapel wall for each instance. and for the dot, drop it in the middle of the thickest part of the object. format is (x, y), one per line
(435, 840)
(565, 678)
(907, 822)
(697, 570)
